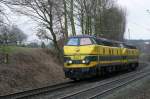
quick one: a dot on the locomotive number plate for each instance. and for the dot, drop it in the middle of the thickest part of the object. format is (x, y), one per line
(77, 57)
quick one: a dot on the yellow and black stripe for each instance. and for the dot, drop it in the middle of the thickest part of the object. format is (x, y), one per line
(87, 58)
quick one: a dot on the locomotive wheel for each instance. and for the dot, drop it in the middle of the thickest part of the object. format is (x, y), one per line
(132, 67)
(103, 71)
(75, 79)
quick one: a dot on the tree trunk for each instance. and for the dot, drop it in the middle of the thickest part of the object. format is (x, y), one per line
(65, 18)
(82, 21)
(6, 58)
(72, 18)
(90, 25)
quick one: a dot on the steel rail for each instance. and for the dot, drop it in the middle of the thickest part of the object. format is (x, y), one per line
(119, 86)
(38, 91)
(71, 95)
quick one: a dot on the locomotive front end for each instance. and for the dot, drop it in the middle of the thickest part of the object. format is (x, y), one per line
(80, 57)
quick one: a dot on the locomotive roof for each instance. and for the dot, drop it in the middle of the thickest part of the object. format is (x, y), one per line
(105, 40)
(80, 36)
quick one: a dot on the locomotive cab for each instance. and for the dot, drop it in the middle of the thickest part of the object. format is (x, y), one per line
(80, 56)
(78, 45)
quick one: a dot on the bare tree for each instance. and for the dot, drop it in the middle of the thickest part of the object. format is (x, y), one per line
(3, 14)
(102, 18)
(16, 36)
(48, 13)
(65, 18)
(71, 16)
(81, 14)
(4, 35)
(114, 23)
(11, 35)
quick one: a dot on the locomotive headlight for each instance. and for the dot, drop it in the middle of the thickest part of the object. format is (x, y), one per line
(85, 61)
(70, 61)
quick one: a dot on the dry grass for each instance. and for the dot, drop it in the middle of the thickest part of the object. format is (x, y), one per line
(29, 69)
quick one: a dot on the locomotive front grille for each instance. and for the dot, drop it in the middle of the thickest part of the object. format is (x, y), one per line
(77, 61)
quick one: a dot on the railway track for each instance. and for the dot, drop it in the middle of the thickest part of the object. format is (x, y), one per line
(99, 91)
(101, 94)
(38, 91)
(80, 90)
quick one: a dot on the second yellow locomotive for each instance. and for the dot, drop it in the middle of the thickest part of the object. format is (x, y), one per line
(86, 56)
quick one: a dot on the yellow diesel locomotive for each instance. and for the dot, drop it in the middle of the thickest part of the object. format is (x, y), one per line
(87, 56)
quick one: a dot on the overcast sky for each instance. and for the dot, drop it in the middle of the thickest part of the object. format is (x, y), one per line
(28, 26)
(138, 20)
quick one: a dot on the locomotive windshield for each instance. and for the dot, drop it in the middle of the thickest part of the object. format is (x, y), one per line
(73, 41)
(79, 41)
(85, 41)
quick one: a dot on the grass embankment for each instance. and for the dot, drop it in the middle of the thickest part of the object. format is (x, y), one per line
(29, 68)
(7, 51)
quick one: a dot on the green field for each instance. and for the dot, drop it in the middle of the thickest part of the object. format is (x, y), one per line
(12, 49)
(7, 49)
